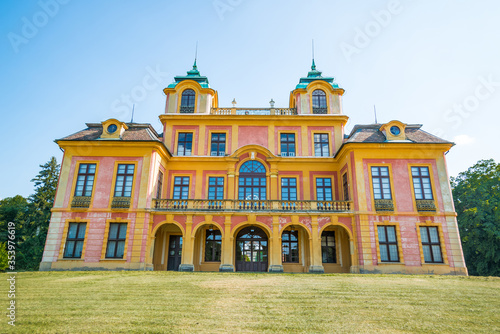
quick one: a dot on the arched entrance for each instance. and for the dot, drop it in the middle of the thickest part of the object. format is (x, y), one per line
(168, 248)
(252, 249)
(335, 249)
(207, 248)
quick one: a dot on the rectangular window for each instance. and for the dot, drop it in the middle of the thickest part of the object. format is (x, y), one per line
(321, 145)
(287, 144)
(185, 143)
(421, 183)
(430, 244)
(388, 244)
(218, 144)
(289, 189)
(181, 187)
(324, 189)
(213, 243)
(381, 183)
(215, 188)
(345, 186)
(290, 246)
(74, 240)
(159, 185)
(116, 240)
(124, 179)
(328, 253)
(85, 180)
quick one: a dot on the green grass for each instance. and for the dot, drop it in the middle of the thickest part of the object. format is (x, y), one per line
(171, 302)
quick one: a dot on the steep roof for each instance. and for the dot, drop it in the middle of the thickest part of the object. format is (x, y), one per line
(370, 133)
(135, 132)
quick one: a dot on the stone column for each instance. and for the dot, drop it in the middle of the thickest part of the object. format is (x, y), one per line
(316, 260)
(275, 265)
(187, 247)
(227, 247)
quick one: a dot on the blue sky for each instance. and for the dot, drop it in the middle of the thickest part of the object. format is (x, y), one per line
(65, 63)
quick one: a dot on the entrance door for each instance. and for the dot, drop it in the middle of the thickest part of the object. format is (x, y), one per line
(174, 252)
(251, 250)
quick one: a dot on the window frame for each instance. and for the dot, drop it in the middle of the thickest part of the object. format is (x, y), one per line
(189, 97)
(429, 243)
(244, 176)
(289, 258)
(323, 187)
(321, 143)
(85, 175)
(75, 240)
(380, 182)
(185, 142)
(182, 185)
(420, 177)
(287, 187)
(125, 175)
(216, 255)
(388, 243)
(288, 144)
(217, 187)
(328, 246)
(318, 99)
(345, 186)
(117, 240)
(218, 143)
(159, 184)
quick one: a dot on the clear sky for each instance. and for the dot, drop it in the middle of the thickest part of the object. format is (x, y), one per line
(67, 62)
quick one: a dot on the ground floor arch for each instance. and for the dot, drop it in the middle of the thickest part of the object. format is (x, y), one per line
(295, 248)
(251, 249)
(168, 245)
(336, 255)
(208, 246)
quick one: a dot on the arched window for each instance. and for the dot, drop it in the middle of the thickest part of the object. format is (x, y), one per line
(319, 102)
(252, 182)
(187, 101)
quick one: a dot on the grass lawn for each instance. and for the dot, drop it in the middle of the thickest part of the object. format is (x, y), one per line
(171, 302)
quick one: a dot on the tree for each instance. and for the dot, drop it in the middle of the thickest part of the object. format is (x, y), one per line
(12, 209)
(476, 194)
(31, 240)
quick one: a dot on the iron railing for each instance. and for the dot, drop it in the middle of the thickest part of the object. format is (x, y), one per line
(384, 205)
(426, 205)
(81, 201)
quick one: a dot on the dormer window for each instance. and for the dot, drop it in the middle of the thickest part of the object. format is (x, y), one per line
(319, 102)
(187, 101)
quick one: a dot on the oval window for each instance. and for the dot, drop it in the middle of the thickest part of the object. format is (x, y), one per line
(395, 130)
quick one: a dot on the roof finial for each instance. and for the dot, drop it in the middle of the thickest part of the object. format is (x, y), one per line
(195, 56)
(133, 108)
(313, 66)
(375, 112)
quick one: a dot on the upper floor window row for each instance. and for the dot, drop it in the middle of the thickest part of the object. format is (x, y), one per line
(188, 101)
(85, 180)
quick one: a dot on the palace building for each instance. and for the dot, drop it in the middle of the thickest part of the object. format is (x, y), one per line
(254, 189)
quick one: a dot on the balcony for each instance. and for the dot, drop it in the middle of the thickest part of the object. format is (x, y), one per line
(424, 205)
(320, 110)
(120, 203)
(384, 205)
(186, 109)
(254, 111)
(227, 205)
(81, 202)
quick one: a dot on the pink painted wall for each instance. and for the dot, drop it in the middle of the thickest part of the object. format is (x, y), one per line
(229, 137)
(310, 137)
(248, 135)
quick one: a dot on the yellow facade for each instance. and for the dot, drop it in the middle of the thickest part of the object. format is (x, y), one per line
(254, 189)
